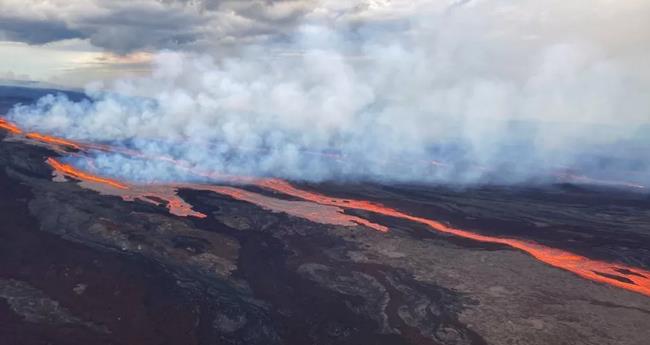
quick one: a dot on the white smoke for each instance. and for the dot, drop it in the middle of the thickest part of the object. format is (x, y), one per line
(497, 91)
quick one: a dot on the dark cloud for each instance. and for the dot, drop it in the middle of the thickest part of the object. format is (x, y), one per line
(253, 8)
(35, 31)
(125, 26)
(128, 29)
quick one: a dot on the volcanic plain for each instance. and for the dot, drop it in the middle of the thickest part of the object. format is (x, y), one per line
(260, 263)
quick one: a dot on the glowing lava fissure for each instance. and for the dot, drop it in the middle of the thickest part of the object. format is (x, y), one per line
(53, 140)
(168, 194)
(604, 272)
(153, 194)
(10, 127)
(318, 213)
(595, 270)
(84, 176)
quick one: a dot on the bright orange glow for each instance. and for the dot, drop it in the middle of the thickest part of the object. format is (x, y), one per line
(153, 194)
(622, 276)
(53, 140)
(168, 195)
(324, 214)
(159, 195)
(71, 171)
(599, 271)
(179, 207)
(8, 126)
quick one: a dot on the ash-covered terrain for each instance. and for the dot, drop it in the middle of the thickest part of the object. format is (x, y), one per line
(80, 264)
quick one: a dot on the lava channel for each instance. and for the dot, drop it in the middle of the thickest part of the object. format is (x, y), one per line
(71, 171)
(158, 194)
(599, 271)
(318, 213)
(152, 194)
(53, 140)
(10, 127)
(595, 270)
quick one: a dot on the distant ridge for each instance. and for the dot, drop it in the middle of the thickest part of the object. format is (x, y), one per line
(34, 84)
(25, 92)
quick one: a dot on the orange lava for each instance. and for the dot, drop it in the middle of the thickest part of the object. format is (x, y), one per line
(71, 171)
(53, 140)
(622, 276)
(324, 214)
(160, 195)
(168, 195)
(153, 194)
(8, 126)
(595, 270)
(180, 208)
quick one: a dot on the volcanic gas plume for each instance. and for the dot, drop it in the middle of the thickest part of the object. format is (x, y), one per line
(328, 210)
(474, 87)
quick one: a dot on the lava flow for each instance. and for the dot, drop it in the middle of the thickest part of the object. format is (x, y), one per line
(324, 214)
(604, 272)
(330, 211)
(153, 194)
(168, 194)
(10, 127)
(53, 140)
(73, 172)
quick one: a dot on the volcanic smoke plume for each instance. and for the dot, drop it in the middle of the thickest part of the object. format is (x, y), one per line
(496, 93)
(333, 172)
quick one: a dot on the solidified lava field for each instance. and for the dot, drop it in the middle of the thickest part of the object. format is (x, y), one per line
(87, 259)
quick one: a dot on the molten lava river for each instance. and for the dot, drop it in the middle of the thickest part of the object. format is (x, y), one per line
(311, 206)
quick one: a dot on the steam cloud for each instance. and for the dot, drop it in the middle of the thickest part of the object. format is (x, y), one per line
(497, 92)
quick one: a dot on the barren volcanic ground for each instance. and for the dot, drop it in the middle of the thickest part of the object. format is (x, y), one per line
(561, 264)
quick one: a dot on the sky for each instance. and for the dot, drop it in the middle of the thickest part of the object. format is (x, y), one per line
(522, 85)
(76, 41)
(73, 42)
